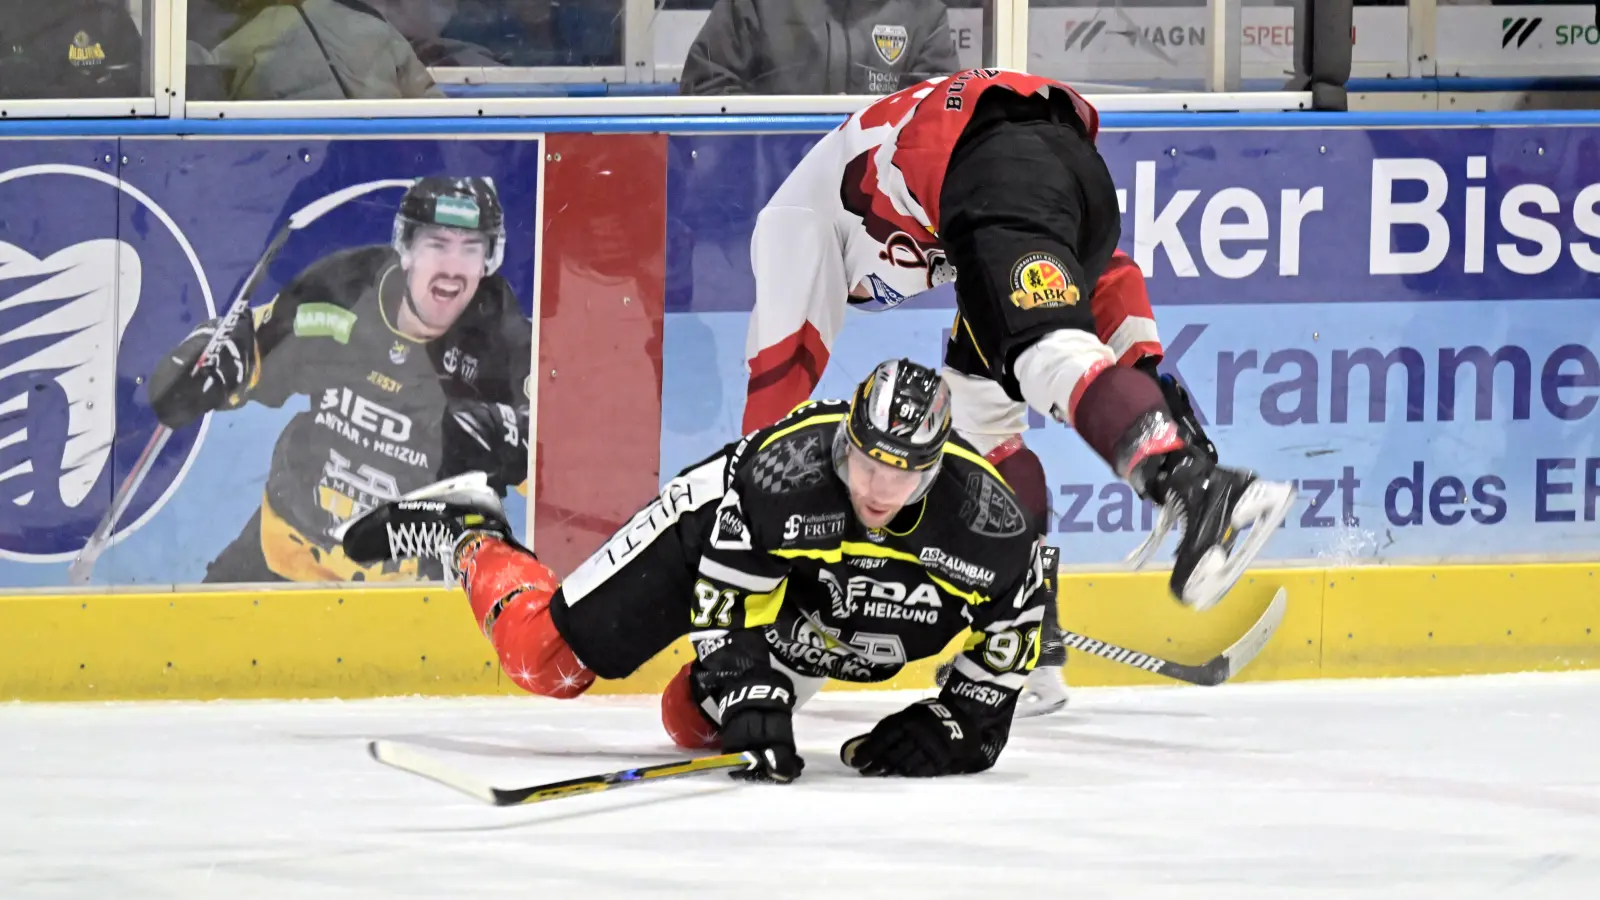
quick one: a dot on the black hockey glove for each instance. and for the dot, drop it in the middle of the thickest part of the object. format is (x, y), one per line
(180, 393)
(926, 739)
(758, 715)
(486, 437)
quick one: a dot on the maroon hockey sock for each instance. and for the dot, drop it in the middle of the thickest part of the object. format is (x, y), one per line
(1022, 470)
(1117, 402)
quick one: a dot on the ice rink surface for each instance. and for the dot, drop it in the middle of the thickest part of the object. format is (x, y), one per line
(1457, 788)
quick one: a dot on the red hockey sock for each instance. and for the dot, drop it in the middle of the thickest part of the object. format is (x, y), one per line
(686, 723)
(510, 593)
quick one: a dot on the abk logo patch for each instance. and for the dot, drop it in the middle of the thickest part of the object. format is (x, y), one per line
(891, 42)
(1040, 281)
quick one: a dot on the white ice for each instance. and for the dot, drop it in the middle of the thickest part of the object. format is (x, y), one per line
(1451, 788)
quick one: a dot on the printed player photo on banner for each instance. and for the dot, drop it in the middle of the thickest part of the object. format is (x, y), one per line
(362, 331)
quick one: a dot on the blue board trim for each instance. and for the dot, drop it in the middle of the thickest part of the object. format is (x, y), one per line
(727, 124)
(1464, 85)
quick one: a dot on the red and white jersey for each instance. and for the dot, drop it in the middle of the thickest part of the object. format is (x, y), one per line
(860, 216)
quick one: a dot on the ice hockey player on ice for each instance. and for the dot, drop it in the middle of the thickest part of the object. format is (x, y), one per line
(991, 178)
(842, 542)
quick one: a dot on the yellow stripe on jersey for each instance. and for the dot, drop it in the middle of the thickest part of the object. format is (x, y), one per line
(803, 423)
(861, 548)
(762, 609)
(974, 338)
(976, 460)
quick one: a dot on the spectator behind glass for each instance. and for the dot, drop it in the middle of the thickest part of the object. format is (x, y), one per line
(320, 50)
(542, 32)
(423, 23)
(68, 48)
(818, 47)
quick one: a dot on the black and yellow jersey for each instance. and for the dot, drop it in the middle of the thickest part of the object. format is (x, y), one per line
(373, 429)
(783, 567)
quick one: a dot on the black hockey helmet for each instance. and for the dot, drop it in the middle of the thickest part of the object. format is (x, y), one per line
(471, 204)
(899, 416)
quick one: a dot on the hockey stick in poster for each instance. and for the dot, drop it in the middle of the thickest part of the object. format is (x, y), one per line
(405, 759)
(82, 568)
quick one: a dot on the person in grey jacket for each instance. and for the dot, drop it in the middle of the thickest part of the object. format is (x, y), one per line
(819, 47)
(320, 50)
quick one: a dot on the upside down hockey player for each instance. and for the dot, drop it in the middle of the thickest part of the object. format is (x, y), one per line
(842, 542)
(993, 176)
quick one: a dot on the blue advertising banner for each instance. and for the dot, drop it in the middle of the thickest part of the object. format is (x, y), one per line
(1403, 322)
(393, 309)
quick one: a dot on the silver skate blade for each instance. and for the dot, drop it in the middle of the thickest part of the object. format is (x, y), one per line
(1143, 553)
(469, 482)
(343, 528)
(1264, 506)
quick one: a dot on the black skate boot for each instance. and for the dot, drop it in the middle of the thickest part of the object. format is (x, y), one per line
(1182, 409)
(1188, 423)
(1227, 516)
(428, 523)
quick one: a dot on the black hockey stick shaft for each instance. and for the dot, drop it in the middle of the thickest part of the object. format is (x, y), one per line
(83, 566)
(622, 778)
(406, 759)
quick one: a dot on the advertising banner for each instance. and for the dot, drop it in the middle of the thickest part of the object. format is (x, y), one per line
(1133, 44)
(1548, 40)
(1403, 322)
(149, 438)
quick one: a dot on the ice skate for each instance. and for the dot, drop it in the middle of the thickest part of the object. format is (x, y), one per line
(1046, 689)
(1227, 516)
(428, 523)
(1183, 414)
(1045, 692)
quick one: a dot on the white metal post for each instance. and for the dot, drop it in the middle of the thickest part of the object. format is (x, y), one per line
(1010, 33)
(1422, 38)
(169, 27)
(638, 40)
(1225, 24)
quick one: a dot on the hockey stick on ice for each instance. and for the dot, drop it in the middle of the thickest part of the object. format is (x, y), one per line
(406, 759)
(1224, 666)
(82, 567)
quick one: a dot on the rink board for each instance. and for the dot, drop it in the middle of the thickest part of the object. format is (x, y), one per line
(1397, 313)
(376, 642)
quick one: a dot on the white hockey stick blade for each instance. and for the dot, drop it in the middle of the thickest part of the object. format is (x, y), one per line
(401, 757)
(1250, 645)
(1213, 672)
